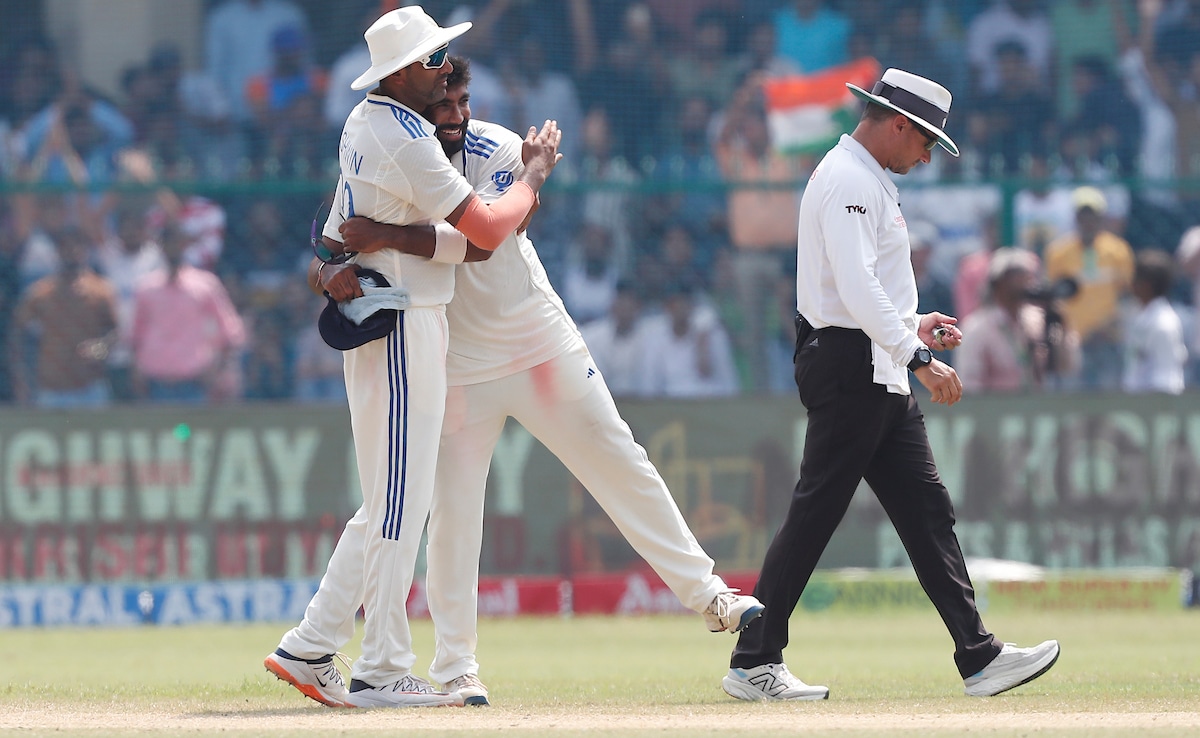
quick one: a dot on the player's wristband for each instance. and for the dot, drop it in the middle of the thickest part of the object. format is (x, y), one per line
(449, 244)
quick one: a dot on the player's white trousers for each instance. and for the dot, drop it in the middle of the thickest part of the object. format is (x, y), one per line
(396, 388)
(565, 404)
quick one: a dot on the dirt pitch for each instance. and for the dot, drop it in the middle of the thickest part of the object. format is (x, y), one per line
(696, 720)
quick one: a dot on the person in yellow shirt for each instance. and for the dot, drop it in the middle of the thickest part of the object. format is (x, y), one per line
(1101, 264)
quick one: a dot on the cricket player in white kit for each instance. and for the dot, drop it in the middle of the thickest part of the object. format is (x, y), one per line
(514, 352)
(394, 170)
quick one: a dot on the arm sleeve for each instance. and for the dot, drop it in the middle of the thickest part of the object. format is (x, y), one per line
(487, 226)
(851, 245)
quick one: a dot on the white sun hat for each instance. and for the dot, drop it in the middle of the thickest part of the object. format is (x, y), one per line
(401, 37)
(924, 101)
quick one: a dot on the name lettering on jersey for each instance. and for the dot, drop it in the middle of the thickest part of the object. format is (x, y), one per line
(351, 159)
(479, 145)
(860, 209)
(901, 222)
(503, 180)
(413, 125)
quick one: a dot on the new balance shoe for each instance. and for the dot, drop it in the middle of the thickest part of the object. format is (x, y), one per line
(1012, 667)
(472, 691)
(318, 679)
(731, 611)
(408, 691)
(770, 682)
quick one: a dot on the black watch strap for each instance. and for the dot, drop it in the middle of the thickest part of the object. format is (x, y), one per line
(921, 357)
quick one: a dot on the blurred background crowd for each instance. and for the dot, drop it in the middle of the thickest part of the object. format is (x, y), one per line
(153, 237)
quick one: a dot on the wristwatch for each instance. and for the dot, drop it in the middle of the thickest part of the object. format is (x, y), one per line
(921, 357)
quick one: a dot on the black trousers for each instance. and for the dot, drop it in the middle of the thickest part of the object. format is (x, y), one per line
(858, 430)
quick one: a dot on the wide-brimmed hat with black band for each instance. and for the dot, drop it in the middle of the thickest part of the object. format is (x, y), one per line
(924, 101)
(401, 37)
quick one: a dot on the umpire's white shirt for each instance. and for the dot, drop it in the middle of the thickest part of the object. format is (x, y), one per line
(853, 267)
(394, 171)
(505, 317)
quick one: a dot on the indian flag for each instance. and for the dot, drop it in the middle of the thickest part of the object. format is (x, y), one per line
(808, 113)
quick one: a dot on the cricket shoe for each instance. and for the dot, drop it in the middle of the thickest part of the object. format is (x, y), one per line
(408, 691)
(318, 679)
(768, 683)
(1012, 667)
(472, 691)
(731, 611)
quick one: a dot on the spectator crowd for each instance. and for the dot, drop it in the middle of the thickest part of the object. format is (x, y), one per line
(154, 240)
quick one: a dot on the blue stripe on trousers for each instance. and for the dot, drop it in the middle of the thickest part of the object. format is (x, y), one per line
(397, 478)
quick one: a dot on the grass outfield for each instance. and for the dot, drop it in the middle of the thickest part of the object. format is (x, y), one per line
(890, 674)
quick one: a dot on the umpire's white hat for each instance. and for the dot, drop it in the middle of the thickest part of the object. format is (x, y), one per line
(401, 37)
(924, 101)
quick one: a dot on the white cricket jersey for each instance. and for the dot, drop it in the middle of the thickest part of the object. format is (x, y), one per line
(393, 170)
(505, 317)
(853, 264)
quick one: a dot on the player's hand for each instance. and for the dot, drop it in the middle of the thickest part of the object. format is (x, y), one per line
(945, 388)
(365, 236)
(341, 282)
(945, 339)
(539, 152)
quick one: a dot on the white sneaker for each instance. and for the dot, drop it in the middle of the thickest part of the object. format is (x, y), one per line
(770, 682)
(1012, 667)
(318, 679)
(731, 611)
(408, 691)
(472, 691)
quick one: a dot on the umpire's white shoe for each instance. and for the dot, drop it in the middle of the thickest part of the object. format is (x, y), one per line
(1012, 667)
(472, 691)
(408, 691)
(318, 679)
(731, 611)
(770, 682)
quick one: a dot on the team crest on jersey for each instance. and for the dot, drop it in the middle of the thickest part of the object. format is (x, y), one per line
(502, 180)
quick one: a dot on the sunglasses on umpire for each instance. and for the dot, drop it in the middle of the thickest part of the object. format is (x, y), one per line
(436, 59)
(930, 139)
(320, 250)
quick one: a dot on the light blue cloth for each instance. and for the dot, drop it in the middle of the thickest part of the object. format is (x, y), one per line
(373, 300)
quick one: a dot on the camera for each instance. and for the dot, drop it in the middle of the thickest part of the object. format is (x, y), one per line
(1046, 292)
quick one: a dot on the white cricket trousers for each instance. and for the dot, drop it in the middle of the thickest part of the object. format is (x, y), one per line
(565, 404)
(396, 388)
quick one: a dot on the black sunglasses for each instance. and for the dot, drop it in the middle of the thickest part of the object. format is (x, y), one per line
(319, 248)
(930, 139)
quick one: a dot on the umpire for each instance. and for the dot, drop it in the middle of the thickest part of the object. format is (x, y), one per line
(859, 336)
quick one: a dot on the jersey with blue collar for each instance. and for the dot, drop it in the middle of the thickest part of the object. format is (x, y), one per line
(505, 317)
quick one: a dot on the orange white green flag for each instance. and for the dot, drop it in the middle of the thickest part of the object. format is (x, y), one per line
(808, 113)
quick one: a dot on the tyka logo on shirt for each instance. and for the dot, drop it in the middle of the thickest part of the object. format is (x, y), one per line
(860, 209)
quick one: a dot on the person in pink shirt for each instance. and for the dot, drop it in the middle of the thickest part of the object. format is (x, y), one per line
(185, 328)
(1012, 346)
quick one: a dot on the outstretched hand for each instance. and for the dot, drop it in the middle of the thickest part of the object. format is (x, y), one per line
(539, 152)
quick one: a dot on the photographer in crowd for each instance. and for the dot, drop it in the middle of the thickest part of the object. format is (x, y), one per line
(1018, 340)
